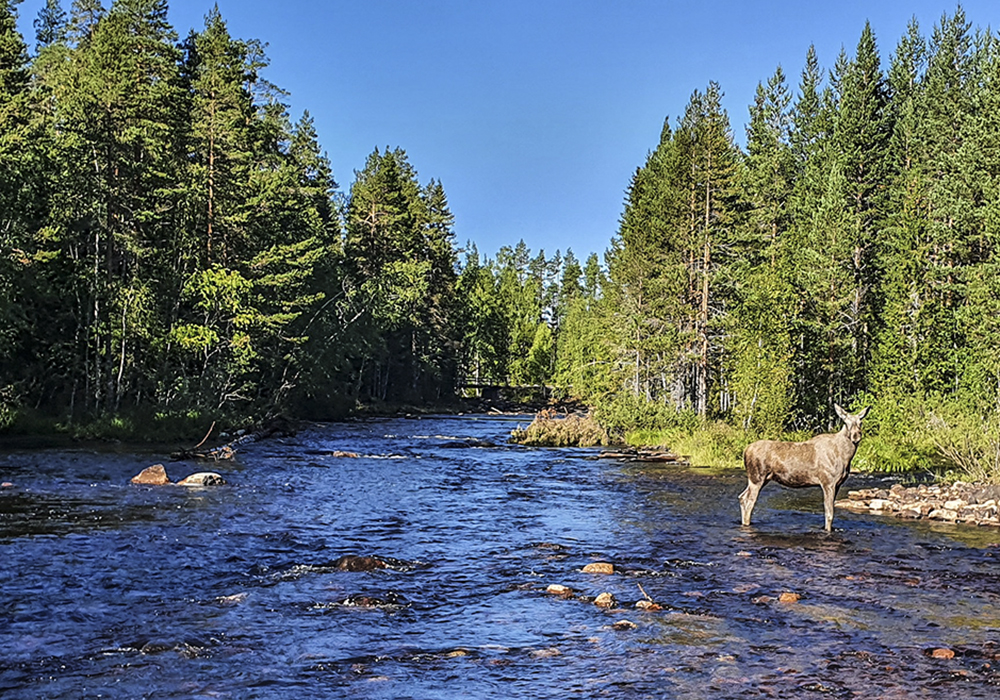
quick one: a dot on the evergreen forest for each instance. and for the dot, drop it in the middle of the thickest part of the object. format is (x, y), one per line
(174, 246)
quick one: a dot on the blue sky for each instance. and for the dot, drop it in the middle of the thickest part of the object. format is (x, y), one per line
(534, 113)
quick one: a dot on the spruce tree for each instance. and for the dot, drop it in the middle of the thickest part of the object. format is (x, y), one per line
(51, 25)
(758, 341)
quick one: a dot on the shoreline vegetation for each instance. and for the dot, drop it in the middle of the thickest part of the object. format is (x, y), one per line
(176, 252)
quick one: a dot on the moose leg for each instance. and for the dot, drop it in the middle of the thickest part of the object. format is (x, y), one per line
(747, 500)
(829, 496)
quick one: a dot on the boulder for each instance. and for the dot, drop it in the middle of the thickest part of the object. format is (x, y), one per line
(942, 653)
(559, 589)
(789, 597)
(599, 567)
(605, 600)
(202, 479)
(155, 475)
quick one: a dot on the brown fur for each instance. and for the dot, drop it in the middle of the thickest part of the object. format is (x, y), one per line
(823, 461)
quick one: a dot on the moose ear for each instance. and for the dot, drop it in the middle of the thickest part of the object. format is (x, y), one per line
(864, 412)
(840, 412)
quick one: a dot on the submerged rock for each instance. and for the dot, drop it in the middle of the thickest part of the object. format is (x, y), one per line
(202, 479)
(155, 475)
(355, 562)
(390, 600)
(352, 562)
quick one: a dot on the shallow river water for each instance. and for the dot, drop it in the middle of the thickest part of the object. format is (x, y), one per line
(119, 591)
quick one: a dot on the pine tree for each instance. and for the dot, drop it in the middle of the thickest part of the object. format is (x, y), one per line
(863, 130)
(14, 175)
(83, 20)
(51, 25)
(758, 341)
(904, 260)
(713, 159)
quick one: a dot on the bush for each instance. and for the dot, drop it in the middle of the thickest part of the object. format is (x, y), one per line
(971, 445)
(706, 443)
(550, 429)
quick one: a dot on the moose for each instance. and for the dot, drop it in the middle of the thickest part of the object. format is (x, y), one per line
(824, 461)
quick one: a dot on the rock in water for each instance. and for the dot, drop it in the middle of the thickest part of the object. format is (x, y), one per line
(942, 653)
(599, 567)
(155, 475)
(202, 479)
(353, 562)
(605, 600)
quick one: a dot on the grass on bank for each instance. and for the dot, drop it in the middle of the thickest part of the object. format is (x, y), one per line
(552, 429)
(921, 435)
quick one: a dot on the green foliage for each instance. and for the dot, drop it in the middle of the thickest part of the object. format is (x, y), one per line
(184, 242)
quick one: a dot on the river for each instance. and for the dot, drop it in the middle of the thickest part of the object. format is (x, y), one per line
(118, 591)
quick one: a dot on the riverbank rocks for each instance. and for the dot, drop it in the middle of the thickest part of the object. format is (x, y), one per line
(973, 504)
(155, 475)
(599, 567)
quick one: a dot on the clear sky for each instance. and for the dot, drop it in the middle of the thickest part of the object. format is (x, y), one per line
(534, 113)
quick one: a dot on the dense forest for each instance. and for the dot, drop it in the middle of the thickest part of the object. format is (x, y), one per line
(175, 244)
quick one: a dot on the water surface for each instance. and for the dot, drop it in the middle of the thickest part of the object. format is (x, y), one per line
(114, 590)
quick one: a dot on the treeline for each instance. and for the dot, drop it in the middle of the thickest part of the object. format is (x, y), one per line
(850, 253)
(173, 244)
